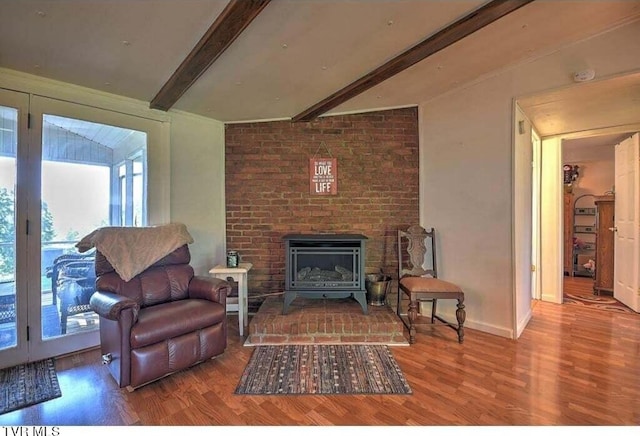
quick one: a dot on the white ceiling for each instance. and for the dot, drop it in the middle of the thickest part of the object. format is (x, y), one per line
(599, 147)
(592, 114)
(294, 54)
(109, 136)
(588, 106)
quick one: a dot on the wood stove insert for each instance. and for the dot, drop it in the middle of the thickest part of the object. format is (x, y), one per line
(325, 266)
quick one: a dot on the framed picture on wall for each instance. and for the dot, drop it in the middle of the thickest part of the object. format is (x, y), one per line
(323, 176)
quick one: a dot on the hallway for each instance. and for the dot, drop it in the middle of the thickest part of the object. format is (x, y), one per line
(579, 291)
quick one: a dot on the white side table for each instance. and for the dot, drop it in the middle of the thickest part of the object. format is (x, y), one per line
(240, 304)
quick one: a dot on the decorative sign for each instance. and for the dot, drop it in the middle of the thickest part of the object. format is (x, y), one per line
(323, 176)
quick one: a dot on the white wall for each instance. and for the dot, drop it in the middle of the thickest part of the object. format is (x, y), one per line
(197, 186)
(597, 168)
(551, 219)
(186, 164)
(467, 175)
(522, 213)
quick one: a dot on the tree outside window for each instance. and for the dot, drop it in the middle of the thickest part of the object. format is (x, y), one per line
(8, 231)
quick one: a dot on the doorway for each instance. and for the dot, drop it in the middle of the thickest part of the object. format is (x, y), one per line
(607, 199)
(601, 107)
(588, 184)
(553, 223)
(66, 169)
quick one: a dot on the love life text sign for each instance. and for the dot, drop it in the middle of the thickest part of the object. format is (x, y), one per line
(323, 176)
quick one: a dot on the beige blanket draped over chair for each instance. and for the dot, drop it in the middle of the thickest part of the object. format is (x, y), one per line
(131, 250)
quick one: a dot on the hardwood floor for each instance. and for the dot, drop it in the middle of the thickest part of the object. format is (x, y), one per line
(582, 286)
(579, 290)
(571, 366)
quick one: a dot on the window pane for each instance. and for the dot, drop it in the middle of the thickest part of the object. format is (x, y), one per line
(77, 198)
(137, 200)
(8, 148)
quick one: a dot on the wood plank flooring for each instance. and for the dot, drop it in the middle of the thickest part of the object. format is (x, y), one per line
(582, 286)
(579, 290)
(571, 366)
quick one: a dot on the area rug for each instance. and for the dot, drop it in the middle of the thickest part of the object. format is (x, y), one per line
(600, 302)
(322, 369)
(28, 384)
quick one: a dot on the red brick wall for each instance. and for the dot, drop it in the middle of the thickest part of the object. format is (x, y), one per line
(267, 187)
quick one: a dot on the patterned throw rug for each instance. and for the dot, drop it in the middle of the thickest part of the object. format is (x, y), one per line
(322, 369)
(600, 302)
(28, 384)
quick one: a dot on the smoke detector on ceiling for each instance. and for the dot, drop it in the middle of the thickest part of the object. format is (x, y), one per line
(584, 75)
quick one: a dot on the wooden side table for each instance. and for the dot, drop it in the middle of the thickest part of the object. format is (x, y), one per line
(239, 304)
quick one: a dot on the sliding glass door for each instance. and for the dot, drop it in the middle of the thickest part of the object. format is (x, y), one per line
(80, 160)
(75, 169)
(13, 304)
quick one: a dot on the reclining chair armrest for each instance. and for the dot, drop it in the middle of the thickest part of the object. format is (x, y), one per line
(110, 306)
(209, 288)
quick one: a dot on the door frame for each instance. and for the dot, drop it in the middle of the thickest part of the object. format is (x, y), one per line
(551, 222)
(18, 354)
(536, 185)
(552, 260)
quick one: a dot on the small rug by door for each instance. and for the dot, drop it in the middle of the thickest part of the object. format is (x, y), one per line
(28, 384)
(601, 302)
(322, 369)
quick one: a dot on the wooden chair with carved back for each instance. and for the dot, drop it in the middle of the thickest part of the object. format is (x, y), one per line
(418, 281)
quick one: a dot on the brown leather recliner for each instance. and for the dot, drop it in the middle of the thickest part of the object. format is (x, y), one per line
(163, 320)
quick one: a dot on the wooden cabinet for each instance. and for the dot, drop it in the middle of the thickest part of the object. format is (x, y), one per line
(605, 206)
(568, 233)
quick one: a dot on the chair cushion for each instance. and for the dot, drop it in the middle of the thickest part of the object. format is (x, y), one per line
(169, 320)
(428, 284)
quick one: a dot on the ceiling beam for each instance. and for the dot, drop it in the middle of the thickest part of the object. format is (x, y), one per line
(235, 17)
(465, 26)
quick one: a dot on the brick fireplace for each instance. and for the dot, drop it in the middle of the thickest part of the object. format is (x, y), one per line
(267, 188)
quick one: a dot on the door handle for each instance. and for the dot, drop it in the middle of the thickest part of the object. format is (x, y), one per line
(613, 229)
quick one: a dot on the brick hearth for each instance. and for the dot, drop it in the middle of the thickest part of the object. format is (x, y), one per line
(326, 321)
